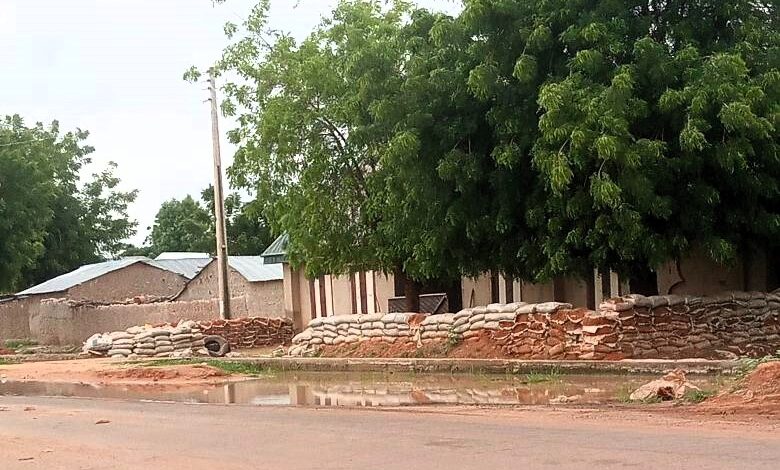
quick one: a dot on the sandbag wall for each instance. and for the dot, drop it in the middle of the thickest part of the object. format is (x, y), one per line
(522, 330)
(182, 340)
(671, 327)
(665, 327)
(251, 332)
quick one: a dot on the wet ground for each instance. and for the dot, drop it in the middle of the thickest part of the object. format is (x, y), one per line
(69, 433)
(365, 390)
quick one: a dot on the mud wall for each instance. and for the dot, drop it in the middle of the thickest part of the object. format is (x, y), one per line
(264, 299)
(14, 318)
(62, 322)
(668, 327)
(138, 279)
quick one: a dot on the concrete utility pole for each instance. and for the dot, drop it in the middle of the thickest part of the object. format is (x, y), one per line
(219, 208)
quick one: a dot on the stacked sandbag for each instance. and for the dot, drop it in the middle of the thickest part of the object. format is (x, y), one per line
(550, 330)
(122, 344)
(98, 344)
(543, 330)
(250, 332)
(471, 321)
(182, 340)
(436, 326)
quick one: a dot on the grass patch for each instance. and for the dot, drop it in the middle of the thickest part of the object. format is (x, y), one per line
(7, 362)
(623, 394)
(19, 343)
(230, 367)
(697, 396)
(748, 365)
(553, 375)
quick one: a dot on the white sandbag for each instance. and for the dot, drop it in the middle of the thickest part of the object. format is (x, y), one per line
(123, 352)
(117, 335)
(98, 342)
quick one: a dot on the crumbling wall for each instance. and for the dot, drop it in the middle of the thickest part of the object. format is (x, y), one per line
(62, 322)
(14, 318)
(669, 327)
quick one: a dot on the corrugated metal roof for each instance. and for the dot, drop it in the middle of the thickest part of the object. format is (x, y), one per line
(277, 251)
(254, 269)
(188, 268)
(181, 255)
(80, 276)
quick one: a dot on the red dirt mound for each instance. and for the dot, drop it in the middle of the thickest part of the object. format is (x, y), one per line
(154, 374)
(757, 393)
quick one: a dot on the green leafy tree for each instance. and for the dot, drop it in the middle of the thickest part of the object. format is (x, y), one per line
(539, 138)
(182, 225)
(88, 226)
(322, 138)
(248, 231)
(27, 191)
(54, 224)
(657, 130)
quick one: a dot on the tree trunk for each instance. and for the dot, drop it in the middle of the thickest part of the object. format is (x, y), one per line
(411, 295)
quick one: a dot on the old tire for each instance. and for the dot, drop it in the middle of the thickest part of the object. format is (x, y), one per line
(217, 346)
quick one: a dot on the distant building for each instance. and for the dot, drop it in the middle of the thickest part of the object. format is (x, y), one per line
(252, 281)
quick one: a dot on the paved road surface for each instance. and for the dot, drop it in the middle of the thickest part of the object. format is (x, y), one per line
(60, 433)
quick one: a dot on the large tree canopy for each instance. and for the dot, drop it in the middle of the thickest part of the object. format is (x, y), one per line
(656, 130)
(187, 225)
(49, 223)
(536, 137)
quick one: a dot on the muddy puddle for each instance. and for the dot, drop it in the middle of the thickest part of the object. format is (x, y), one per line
(329, 389)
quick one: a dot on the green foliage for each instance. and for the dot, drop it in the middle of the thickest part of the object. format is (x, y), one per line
(49, 223)
(697, 396)
(534, 137)
(231, 367)
(749, 364)
(182, 225)
(552, 375)
(189, 225)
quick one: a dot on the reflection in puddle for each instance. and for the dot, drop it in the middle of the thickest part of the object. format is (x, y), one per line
(345, 390)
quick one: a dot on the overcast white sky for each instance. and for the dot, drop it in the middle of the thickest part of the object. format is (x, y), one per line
(114, 67)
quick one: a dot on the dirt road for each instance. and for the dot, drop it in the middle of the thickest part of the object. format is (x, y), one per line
(61, 433)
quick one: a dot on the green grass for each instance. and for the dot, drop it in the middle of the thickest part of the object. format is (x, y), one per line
(553, 375)
(748, 365)
(697, 396)
(230, 367)
(19, 343)
(6, 361)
